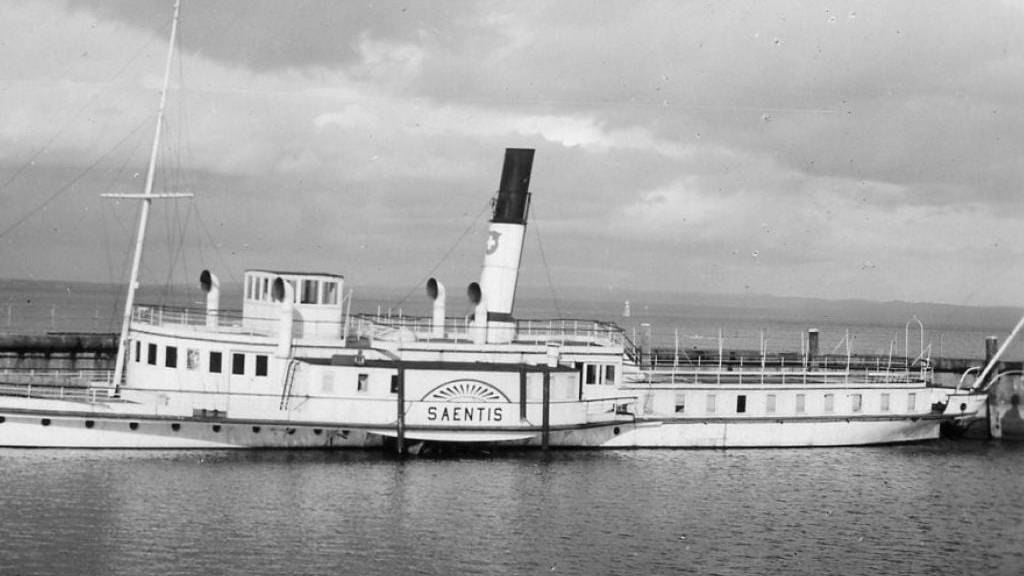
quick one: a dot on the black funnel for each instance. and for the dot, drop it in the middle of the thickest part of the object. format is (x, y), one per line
(513, 201)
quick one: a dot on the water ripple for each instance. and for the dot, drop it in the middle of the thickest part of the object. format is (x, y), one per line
(935, 508)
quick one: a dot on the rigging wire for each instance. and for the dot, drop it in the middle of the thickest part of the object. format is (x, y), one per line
(126, 251)
(547, 269)
(209, 236)
(472, 225)
(67, 124)
(73, 181)
(103, 220)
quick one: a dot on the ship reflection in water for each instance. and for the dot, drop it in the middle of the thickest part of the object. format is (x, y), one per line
(934, 508)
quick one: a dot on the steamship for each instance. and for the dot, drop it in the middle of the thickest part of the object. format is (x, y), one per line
(293, 369)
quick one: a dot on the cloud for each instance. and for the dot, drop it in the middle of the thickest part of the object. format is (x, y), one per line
(783, 146)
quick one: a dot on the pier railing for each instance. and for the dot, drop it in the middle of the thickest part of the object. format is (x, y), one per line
(90, 386)
(64, 377)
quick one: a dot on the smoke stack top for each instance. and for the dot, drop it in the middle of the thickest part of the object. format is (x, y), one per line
(513, 201)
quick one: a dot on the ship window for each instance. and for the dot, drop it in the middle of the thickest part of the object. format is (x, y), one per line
(829, 402)
(192, 359)
(265, 290)
(885, 402)
(394, 383)
(175, 426)
(215, 359)
(769, 405)
(911, 402)
(711, 404)
(45, 421)
(138, 351)
(856, 401)
(238, 363)
(327, 382)
(590, 372)
(248, 287)
(256, 429)
(309, 292)
(680, 403)
(363, 382)
(171, 357)
(741, 404)
(330, 295)
(801, 403)
(133, 425)
(261, 365)
(151, 354)
(90, 423)
(609, 374)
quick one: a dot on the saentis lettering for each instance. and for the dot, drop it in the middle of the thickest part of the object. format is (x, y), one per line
(464, 413)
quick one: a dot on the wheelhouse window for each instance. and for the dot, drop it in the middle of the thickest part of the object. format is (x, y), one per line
(151, 354)
(309, 292)
(215, 362)
(394, 383)
(590, 374)
(330, 293)
(609, 374)
(362, 384)
(261, 365)
(138, 351)
(238, 364)
(192, 359)
(171, 357)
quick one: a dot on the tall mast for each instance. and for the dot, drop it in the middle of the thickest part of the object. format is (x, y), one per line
(147, 198)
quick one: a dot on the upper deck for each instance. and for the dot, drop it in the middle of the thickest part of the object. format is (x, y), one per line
(542, 332)
(369, 330)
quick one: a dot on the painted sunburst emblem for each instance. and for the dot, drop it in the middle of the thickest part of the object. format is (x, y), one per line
(466, 391)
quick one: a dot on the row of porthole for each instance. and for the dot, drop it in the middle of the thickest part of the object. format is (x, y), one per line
(175, 426)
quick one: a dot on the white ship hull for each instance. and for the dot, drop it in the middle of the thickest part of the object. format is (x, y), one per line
(55, 424)
(773, 433)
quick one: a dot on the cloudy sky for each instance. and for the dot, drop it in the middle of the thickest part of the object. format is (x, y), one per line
(827, 149)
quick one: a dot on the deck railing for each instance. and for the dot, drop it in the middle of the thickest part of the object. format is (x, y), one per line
(793, 374)
(537, 331)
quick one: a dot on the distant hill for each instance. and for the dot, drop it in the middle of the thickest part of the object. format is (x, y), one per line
(571, 302)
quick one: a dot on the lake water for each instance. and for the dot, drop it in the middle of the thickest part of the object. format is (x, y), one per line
(943, 507)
